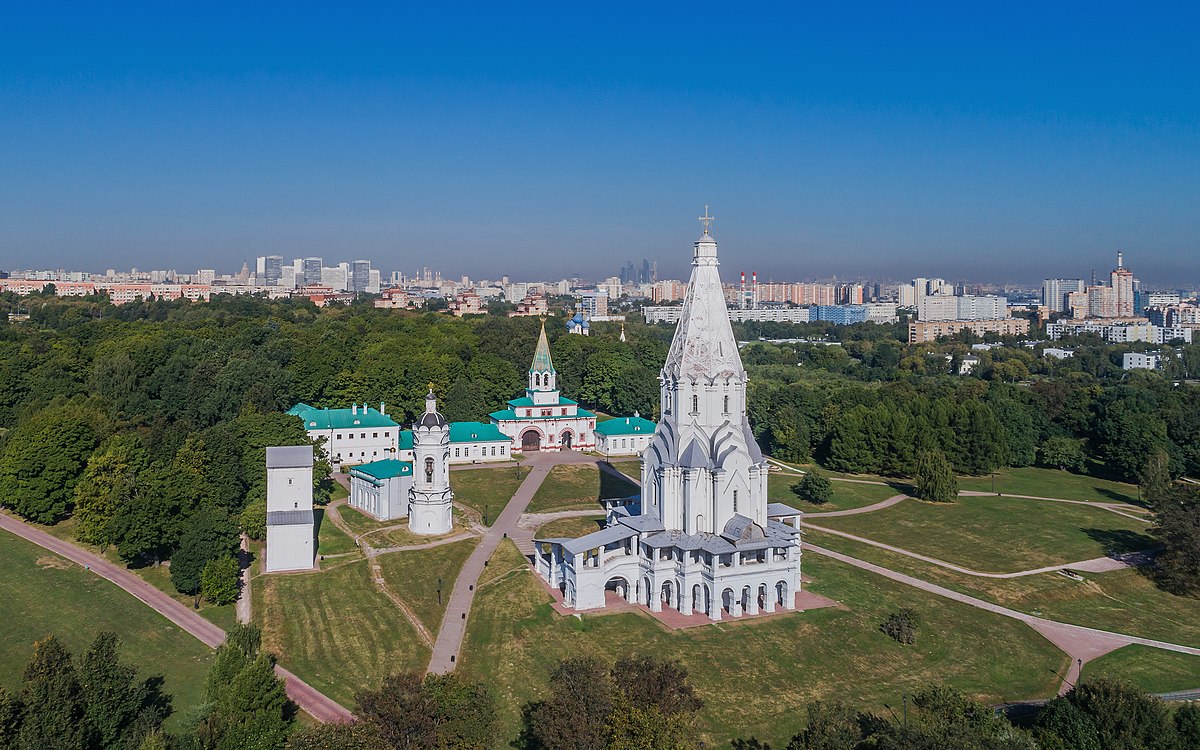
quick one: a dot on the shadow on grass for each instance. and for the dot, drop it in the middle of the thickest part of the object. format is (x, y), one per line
(1120, 497)
(614, 484)
(1121, 541)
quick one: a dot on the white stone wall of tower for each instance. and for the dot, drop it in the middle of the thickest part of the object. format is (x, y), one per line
(430, 497)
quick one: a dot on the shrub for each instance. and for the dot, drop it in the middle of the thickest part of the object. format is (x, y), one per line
(902, 626)
(815, 488)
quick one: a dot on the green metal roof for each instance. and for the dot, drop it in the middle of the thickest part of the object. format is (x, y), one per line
(385, 469)
(473, 432)
(510, 415)
(541, 357)
(340, 419)
(525, 401)
(626, 426)
(406, 440)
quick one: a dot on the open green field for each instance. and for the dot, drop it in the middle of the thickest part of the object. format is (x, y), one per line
(578, 487)
(630, 467)
(486, 491)
(1053, 483)
(1123, 601)
(757, 676)
(845, 494)
(330, 539)
(1150, 669)
(413, 576)
(360, 522)
(335, 629)
(998, 535)
(44, 594)
(569, 528)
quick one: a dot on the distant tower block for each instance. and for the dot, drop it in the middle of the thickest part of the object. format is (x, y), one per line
(290, 537)
(430, 496)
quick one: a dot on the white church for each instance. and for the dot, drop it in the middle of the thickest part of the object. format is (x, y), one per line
(704, 539)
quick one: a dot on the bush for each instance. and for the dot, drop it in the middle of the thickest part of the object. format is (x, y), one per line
(815, 488)
(219, 581)
(902, 626)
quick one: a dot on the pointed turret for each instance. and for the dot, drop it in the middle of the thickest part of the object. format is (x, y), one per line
(541, 355)
(704, 346)
(542, 377)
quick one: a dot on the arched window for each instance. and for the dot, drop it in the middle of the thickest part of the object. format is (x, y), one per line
(429, 471)
(695, 404)
(726, 404)
(735, 501)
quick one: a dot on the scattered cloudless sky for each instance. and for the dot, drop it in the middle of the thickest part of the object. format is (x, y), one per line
(991, 141)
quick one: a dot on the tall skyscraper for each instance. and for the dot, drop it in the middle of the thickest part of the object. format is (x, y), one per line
(1055, 291)
(360, 276)
(269, 269)
(311, 268)
(1122, 282)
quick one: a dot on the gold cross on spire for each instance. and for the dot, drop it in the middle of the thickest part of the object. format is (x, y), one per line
(706, 219)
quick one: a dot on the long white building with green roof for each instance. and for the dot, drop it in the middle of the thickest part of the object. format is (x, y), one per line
(624, 436)
(542, 419)
(357, 435)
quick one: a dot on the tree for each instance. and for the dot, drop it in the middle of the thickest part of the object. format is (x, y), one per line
(11, 712)
(357, 736)
(254, 709)
(42, 459)
(575, 715)
(902, 626)
(815, 488)
(113, 698)
(54, 716)
(439, 711)
(662, 683)
(1155, 476)
(1063, 453)
(1123, 716)
(219, 581)
(106, 482)
(210, 535)
(1177, 528)
(831, 726)
(935, 478)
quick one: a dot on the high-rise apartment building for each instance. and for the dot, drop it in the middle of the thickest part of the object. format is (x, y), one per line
(1123, 285)
(360, 276)
(1055, 291)
(309, 272)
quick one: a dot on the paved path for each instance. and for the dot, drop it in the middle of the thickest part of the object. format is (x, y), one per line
(529, 523)
(243, 602)
(1094, 565)
(319, 706)
(454, 623)
(855, 511)
(1121, 509)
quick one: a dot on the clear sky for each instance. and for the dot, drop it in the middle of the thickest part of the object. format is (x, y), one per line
(995, 141)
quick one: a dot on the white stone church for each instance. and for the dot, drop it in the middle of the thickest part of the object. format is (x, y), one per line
(704, 539)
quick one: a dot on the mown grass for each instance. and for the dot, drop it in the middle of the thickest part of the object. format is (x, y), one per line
(1053, 483)
(578, 487)
(44, 594)
(330, 539)
(569, 528)
(335, 629)
(629, 467)
(756, 677)
(414, 576)
(998, 534)
(1151, 669)
(845, 494)
(486, 491)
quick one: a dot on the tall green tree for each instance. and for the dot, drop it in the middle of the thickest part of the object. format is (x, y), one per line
(54, 712)
(107, 481)
(934, 477)
(1177, 529)
(113, 698)
(43, 458)
(210, 535)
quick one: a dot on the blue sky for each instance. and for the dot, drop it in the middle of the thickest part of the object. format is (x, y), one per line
(993, 141)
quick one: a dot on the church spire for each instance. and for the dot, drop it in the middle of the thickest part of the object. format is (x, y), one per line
(541, 356)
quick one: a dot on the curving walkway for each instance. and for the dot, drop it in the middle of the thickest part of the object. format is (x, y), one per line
(316, 704)
(894, 499)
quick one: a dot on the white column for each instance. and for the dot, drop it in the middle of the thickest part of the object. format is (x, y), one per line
(769, 601)
(752, 602)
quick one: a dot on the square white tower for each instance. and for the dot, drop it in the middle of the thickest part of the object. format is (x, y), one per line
(290, 533)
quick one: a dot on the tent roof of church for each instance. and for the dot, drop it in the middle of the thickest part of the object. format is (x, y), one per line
(626, 426)
(473, 432)
(340, 419)
(525, 401)
(541, 356)
(384, 469)
(508, 415)
(703, 346)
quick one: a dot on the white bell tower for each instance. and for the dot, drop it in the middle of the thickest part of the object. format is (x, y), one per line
(430, 497)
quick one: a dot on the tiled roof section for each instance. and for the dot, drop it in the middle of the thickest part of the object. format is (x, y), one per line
(779, 510)
(473, 432)
(598, 539)
(290, 518)
(406, 440)
(384, 469)
(508, 415)
(289, 457)
(626, 426)
(340, 419)
(541, 356)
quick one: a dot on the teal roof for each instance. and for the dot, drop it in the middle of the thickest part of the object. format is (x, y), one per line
(525, 401)
(340, 419)
(626, 426)
(541, 357)
(471, 432)
(385, 469)
(406, 440)
(509, 415)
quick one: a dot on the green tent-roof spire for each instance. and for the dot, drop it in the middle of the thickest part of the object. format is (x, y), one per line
(541, 357)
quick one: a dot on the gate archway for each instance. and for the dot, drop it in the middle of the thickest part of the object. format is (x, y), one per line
(531, 440)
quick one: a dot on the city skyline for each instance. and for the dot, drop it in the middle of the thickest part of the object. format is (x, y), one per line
(967, 143)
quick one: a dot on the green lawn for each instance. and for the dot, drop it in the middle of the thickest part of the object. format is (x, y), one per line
(757, 676)
(44, 594)
(360, 523)
(845, 494)
(1150, 669)
(413, 576)
(998, 535)
(569, 528)
(578, 487)
(486, 491)
(629, 467)
(335, 629)
(330, 539)
(1053, 483)
(1124, 601)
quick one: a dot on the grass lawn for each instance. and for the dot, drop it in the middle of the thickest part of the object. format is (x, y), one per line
(330, 539)
(756, 677)
(1123, 601)
(998, 535)
(413, 576)
(486, 491)
(44, 594)
(569, 528)
(1053, 483)
(630, 467)
(845, 494)
(335, 629)
(1150, 669)
(578, 487)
